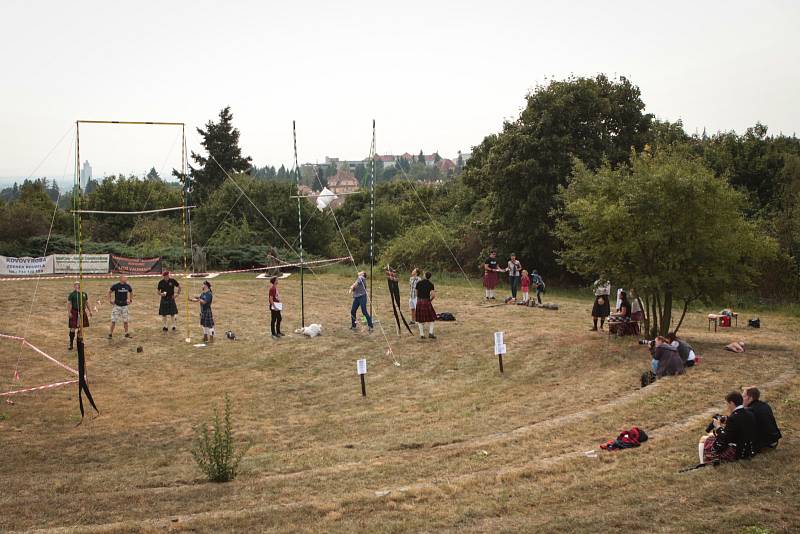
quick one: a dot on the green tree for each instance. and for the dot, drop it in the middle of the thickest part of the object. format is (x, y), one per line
(421, 157)
(520, 169)
(153, 175)
(117, 193)
(664, 225)
(221, 142)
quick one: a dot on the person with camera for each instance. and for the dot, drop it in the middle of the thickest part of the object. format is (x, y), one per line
(685, 350)
(666, 360)
(729, 438)
(767, 431)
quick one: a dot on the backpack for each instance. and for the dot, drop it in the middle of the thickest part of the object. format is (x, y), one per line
(754, 323)
(648, 377)
(445, 316)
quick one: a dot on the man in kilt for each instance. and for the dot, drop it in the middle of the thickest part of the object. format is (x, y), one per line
(426, 293)
(490, 274)
(169, 289)
(75, 301)
(733, 438)
(206, 316)
(601, 308)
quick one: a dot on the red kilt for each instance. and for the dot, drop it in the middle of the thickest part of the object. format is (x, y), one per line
(73, 319)
(425, 311)
(727, 455)
(490, 279)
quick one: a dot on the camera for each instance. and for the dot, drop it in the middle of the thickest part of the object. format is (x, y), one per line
(645, 341)
(721, 418)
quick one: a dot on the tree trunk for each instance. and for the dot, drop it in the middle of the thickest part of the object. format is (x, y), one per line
(680, 322)
(660, 313)
(666, 314)
(653, 318)
(645, 306)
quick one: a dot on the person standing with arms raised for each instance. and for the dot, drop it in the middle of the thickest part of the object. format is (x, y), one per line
(120, 296)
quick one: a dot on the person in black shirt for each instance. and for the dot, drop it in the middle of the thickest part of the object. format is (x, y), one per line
(75, 301)
(120, 296)
(490, 274)
(169, 289)
(767, 429)
(734, 439)
(426, 293)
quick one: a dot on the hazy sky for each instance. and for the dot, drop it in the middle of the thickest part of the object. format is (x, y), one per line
(435, 75)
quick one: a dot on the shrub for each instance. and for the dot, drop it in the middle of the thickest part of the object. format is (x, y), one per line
(214, 449)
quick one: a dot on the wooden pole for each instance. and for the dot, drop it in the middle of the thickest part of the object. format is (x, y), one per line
(363, 386)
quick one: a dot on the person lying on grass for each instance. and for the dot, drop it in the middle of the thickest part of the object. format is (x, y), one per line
(733, 437)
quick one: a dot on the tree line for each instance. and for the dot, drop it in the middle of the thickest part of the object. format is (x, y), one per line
(582, 181)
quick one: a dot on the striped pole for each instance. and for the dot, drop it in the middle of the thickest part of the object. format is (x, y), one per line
(300, 226)
(372, 215)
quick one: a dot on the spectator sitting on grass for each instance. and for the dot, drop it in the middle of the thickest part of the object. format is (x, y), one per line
(733, 438)
(767, 431)
(685, 350)
(666, 360)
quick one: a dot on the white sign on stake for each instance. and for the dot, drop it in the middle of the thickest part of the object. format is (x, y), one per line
(361, 366)
(499, 346)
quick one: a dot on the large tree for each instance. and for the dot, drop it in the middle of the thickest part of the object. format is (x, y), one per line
(520, 169)
(221, 142)
(666, 225)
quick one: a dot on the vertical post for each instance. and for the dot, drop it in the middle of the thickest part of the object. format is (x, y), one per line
(76, 202)
(186, 222)
(361, 369)
(499, 348)
(372, 214)
(300, 226)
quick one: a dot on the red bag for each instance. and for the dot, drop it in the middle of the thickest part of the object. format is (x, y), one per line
(725, 321)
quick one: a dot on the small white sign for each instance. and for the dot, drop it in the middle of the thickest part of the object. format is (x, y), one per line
(361, 366)
(498, 338)
(499, 346)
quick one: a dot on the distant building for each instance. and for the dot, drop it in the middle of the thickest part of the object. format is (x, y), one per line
(343, 181)
(86, 174)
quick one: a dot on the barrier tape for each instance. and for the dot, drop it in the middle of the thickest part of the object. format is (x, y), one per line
(28, 344)
(38, 388)
(5, 278)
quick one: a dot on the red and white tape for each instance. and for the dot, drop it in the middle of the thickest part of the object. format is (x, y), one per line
(39, 351)
(38, 388)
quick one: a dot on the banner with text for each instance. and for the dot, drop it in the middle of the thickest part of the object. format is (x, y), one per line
(124, 265)
(92, 263)
(26, 266)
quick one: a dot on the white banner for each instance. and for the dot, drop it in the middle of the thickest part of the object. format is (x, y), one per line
(26, 266)
(92, 263)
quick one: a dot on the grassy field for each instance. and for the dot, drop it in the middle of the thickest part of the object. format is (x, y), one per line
(442, 442)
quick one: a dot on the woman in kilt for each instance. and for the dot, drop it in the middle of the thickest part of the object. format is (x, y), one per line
(425, 312)
(75, 301)
(206, 317)
(601, 308)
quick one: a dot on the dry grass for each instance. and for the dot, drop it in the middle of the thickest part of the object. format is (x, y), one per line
(442, 442)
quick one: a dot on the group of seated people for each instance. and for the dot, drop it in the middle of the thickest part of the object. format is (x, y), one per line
(748, 429)
(625, 320)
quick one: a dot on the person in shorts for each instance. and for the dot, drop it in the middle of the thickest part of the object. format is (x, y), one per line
(120, 296)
